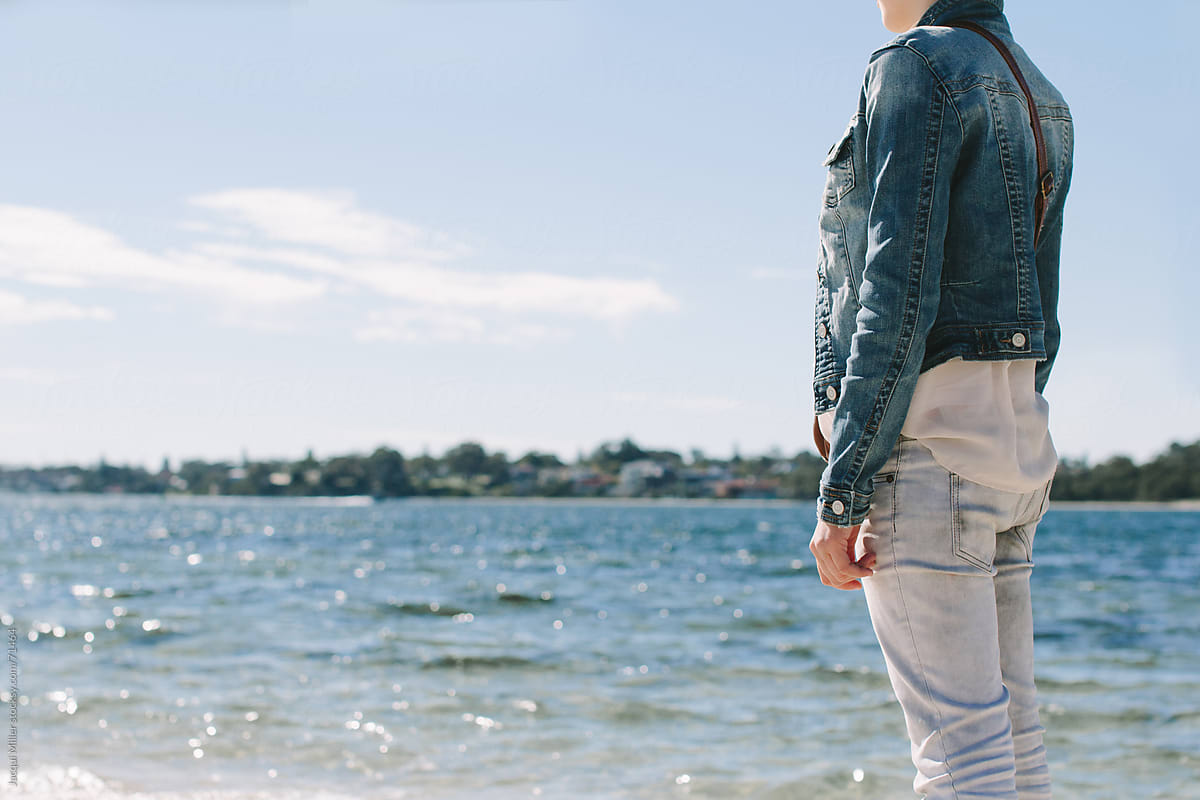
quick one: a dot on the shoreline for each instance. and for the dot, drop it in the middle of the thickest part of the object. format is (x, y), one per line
(366, 500)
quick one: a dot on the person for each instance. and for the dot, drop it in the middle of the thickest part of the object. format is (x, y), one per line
(936, 330)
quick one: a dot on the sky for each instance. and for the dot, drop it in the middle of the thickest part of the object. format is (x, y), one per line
(251, 229)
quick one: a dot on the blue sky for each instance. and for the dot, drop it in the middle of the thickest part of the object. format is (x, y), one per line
(266, 227)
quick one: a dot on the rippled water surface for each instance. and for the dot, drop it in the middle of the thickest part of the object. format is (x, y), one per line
(236, 648)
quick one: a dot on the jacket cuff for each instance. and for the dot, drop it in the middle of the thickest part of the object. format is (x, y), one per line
(841, 507)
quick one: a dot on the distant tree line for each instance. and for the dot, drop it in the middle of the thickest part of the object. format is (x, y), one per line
(1173, 475)
(614, 468)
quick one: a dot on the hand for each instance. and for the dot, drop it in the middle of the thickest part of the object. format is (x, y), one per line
(833, 547)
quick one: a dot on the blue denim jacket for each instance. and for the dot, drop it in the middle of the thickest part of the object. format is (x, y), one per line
(927, 234)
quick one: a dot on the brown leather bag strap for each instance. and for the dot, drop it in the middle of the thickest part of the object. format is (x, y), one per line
(1045, 176)
(819, 439)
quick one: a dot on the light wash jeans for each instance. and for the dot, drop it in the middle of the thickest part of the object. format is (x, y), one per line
(951, 608)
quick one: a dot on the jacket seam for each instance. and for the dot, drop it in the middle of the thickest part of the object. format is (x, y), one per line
(1016, 205)
(837, 214)
(924, 59)
(917, 259)
(937, 78)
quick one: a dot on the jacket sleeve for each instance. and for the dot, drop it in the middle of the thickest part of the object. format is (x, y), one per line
(1047, 268)
(1049, 253)
(913, 138)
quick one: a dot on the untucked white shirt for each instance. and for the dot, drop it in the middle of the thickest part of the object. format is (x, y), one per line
(982, 420)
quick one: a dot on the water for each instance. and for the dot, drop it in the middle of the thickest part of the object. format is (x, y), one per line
(434, 649)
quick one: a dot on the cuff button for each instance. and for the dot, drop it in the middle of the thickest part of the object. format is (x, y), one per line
(831, 392)
(1018, 339)
(837, 506)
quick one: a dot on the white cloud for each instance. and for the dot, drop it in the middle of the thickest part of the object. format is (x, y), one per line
(516, 292)
(411, 325)
(48, 247)
(404, 261)
(329, 220)
(16, 309)
(287, 256)
(421, 324)
(677, 401)
(280, 247)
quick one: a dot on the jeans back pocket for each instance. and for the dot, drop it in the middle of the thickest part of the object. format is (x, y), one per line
(972, 526)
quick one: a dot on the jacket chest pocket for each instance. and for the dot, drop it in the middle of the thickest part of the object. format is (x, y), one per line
(840, 161)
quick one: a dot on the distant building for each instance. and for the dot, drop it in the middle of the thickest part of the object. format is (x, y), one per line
(702, 481)
(638, 477)
(747, 488)
(593, 483)
(524, 478)
(66, 482)
(548, 475)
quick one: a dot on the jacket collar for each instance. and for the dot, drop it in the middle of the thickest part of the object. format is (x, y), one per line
(944, 10)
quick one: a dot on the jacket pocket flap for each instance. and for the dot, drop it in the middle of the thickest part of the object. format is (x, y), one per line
(839, 145)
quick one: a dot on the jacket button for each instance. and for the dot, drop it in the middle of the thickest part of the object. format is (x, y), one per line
(837, 506)
(1018, 340)
(822, 330)
(831, 392)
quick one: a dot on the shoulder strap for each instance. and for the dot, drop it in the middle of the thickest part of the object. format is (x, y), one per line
(1045, 176)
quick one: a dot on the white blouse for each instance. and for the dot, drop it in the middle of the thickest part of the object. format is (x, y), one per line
(982, 420)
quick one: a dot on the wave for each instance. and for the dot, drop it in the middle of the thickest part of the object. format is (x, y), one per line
(427, 609)
(57, 782)
(480, 662)
(525, 599)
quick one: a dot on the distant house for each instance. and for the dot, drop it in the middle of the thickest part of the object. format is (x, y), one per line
(640, 476)
(701, 481)
(747, 488)
(550, 475)
(597, 483)
(583, 480)
(524, 478)
(66, 482)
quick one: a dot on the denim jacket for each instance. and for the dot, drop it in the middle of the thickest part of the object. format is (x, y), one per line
(927, 234)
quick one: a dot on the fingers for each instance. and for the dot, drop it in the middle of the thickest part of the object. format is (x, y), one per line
(838, 571)
(868, 559)
(867, 562)
(837, 565)
(848, 572)
(833, 549)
